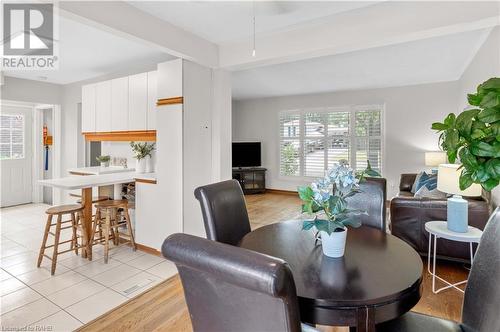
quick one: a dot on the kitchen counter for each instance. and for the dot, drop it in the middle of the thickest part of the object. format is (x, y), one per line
(98, 170)
(79, 182)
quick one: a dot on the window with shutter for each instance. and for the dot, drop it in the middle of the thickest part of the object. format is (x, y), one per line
(314, 140)
(11, 136)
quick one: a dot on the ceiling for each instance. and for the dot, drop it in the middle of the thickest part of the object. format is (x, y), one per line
(87, 52)
(425, 61)
(224, 21)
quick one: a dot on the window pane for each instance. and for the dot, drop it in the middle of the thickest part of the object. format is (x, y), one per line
(368, 149)
(338, 123)
(368, 123)
(290, 125)
(17, 151)
(314, 124)
(4, 151)
(338, 149)
(314, 157)
(289, 157)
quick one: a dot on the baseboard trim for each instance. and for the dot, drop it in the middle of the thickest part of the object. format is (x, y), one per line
(149, 250)
(284, 192)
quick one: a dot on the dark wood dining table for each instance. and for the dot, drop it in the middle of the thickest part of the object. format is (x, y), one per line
(378, 279)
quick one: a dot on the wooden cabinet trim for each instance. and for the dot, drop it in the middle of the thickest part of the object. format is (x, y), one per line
(150, 181)
(135, 135)
(170, 101)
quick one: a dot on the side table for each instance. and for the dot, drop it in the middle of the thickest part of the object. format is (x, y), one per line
(439, 229)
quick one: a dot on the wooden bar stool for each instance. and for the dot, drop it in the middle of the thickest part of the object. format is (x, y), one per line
(75, 213)
(109, 217)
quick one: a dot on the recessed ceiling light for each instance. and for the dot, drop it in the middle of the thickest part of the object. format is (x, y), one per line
(42, 78)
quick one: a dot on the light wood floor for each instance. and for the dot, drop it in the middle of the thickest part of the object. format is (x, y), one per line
(163, 307)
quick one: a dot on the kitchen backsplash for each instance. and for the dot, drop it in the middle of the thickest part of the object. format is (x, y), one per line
(121, 150)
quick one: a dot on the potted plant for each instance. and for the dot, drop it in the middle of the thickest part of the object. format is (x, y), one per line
(474, 137)
(141, 151)
(104, 160)
(326, 200)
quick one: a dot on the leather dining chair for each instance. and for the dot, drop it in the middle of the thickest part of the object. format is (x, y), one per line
(372, 199)
(229, 288)
(224, 211)
(482, 294)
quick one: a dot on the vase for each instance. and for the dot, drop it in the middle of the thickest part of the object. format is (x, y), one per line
(149, 164)
(140, 165)
(333, 245)
(105, 164)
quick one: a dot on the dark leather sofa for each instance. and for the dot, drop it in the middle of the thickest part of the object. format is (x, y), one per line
(409, 215)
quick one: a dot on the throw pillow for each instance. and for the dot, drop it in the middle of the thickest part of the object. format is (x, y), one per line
(420, 180)
(417, 179)
(424, 192)
(430, 182)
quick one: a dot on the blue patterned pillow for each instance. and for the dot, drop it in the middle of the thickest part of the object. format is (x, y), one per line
(427, 180)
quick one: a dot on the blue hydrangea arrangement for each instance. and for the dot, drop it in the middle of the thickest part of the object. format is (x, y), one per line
(326, 199)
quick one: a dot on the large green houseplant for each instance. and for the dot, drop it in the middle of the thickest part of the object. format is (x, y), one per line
(474, 137)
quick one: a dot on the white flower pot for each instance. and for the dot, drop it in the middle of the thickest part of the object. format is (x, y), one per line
(105, 164)
(140, 166)
(149, 164)
(333, 245)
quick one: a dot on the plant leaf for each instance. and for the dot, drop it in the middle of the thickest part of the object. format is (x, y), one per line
(483, 149)
(465, 181)
(490, 184)
(305, 193)
(307, 225)
(467, 158)
(464, 121)
(490, 114)
(491, 84)
(492, 166)
(439, 126)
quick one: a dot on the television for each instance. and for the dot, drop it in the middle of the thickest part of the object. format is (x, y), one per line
(246, 154)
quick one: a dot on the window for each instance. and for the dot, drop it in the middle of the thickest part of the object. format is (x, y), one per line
(313, 140)
(11, 136)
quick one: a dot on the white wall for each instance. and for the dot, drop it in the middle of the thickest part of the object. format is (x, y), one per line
(409, 113)
(484, 65)
(18, 89)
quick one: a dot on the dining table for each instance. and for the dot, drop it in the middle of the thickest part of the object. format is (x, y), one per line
(379, 278)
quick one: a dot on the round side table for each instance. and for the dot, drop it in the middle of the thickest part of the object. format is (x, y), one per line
(439, 229)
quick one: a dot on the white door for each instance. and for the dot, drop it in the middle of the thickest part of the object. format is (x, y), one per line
(15, 155)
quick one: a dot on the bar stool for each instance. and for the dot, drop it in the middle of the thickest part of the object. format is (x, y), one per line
(108, 220)
(75, 213)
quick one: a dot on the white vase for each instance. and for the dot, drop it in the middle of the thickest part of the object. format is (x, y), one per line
(149, 164)
(140, 165)
(333, 245)
(105, 164)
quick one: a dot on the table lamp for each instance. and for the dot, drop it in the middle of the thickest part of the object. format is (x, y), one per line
(448, 182)
(434, 159)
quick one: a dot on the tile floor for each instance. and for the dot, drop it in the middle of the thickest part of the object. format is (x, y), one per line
(80, 290)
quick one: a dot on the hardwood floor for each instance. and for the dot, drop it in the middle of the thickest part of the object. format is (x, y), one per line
(163, 307)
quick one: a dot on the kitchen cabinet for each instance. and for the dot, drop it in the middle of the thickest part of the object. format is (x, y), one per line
(103, 106)
(170, 79)
(152, 97)
(119, 104)
(138, 101)
(88, 108)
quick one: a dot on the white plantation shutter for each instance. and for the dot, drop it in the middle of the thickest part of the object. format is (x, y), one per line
(11, 136)
(314, 140)
(368, 131)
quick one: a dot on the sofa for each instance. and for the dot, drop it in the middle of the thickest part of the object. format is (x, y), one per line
(408, 215)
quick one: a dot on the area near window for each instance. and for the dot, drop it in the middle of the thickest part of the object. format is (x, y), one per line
(313, 140)
(11, 136)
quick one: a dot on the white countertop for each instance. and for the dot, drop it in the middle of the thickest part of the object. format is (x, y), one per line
(79, 182)
(97, 170)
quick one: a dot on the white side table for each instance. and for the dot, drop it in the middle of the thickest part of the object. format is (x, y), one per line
(440, 230)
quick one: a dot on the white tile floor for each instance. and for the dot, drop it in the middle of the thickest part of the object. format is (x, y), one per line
(80, 290)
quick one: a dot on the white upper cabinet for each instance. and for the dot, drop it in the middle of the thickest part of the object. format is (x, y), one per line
(138, 101)
(103, 106)
(170, 79)
(119, 104)
(88, 108)
(152, 97)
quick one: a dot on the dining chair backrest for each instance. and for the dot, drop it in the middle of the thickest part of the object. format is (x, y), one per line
(224, 211)
(228, 288)
(372, 199)
(482, 295)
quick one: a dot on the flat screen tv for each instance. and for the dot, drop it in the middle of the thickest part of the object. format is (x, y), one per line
(246, 154)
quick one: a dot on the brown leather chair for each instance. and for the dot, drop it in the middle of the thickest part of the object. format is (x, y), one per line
(482, 294)
(224, 211)
(229, 288)
(372, 199)
(409, 215)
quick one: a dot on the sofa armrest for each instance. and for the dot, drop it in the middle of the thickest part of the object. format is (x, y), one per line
(406, 181)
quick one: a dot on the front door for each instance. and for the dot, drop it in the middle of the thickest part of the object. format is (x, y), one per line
(15, 155)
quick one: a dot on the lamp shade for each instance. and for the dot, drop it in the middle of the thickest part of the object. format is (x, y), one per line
(435, 158)
(448, 181)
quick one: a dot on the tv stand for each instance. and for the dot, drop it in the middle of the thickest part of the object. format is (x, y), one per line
(252, 179)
